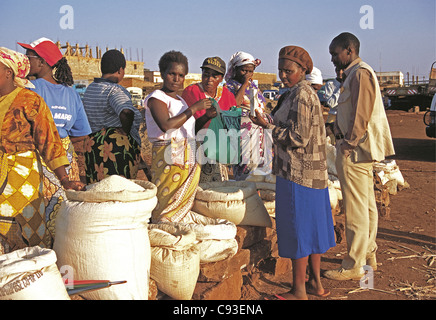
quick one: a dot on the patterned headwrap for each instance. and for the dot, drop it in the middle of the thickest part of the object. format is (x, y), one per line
(240, 59)
(20, 65)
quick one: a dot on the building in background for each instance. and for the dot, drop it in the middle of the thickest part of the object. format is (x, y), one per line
(389, 78)
(85, 66)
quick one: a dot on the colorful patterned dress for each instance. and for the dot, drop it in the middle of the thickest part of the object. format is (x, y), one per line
(27, 134)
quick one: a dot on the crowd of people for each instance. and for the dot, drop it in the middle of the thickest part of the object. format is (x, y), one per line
(41, 127)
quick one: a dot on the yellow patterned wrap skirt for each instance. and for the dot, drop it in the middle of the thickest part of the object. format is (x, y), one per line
(176, 183)
(53, 192)
(22, 222)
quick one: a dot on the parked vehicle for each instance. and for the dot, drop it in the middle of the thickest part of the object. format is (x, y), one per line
(420, 94)
(270, 94)
(430, 120)
(80, 88)
(136, 94)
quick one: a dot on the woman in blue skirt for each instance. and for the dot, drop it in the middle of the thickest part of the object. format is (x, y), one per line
(303, 213)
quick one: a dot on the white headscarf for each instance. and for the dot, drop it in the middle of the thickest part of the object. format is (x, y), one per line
(240, 59)
(315, 77)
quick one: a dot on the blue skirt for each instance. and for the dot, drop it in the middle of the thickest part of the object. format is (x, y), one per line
(304, 220)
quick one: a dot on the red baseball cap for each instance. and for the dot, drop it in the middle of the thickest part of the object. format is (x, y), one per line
(46, 49)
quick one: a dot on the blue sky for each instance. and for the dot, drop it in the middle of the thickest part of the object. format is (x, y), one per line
(403, 35)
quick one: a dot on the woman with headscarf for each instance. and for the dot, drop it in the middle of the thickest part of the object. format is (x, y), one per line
(53, 81)
(171, 129)
(27, 133)
(211, 86)
(303, 213)
(255, 142)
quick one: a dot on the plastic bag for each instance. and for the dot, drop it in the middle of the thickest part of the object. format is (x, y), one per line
(222, 141)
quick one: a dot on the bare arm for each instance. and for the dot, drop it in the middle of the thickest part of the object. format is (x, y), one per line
(159, 111)
(126, 117)
(239, 96)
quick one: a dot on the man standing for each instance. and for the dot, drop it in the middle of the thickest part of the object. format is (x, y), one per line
(363, 137)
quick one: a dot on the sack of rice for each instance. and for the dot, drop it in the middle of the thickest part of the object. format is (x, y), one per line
(175, 260)
(235, 201)
(206, 228)
(102, 235)
(270, 207)
(333, 194)
(31, 274)
(215, 237)
(216, 250)
(331, 158)
(267, 195)
(334, 182)
(391, 171)
(256, 176)
(265, 185)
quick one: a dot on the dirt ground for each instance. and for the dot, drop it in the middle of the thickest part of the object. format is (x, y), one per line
(406, 241)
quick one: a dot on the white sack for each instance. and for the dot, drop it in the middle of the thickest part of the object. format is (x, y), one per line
(235, 201)
(331, 158)
(216, 250)
(107, 240)
(31, 274)
(175, 260)
(216, 237)
(388, 170)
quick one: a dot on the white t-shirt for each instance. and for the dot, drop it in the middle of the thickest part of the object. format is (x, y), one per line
(175, 107)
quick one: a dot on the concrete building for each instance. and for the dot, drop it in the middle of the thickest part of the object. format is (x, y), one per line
(85, 66)
(392, 77)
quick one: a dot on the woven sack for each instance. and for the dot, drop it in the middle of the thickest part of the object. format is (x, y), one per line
(235, 201)
(333, 195)
(267, 195)
(31, 274)
(217, 250)
(270, 207)
(331, 158)
(175, 260)
(255, 177)
(148, 191)
(206, 228)
(391, 171)
(107, 241)
(216, 237)
(268, 178)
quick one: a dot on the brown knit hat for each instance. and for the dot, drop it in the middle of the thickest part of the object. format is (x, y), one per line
(298, 55)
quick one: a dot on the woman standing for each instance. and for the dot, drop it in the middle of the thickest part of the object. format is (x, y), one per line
(171, 130)
(27, 132)
(53, 81)
(113, 147)
(255, 149)
(211, 86)
(303, 212)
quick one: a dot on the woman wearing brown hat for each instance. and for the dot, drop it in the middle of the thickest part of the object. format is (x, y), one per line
(211, 86)
(303, 212)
